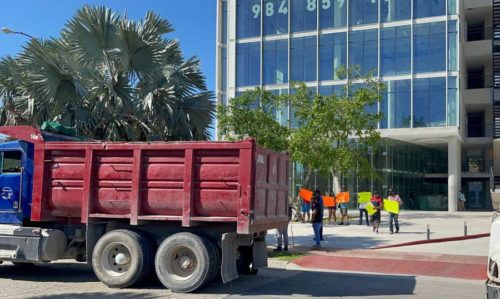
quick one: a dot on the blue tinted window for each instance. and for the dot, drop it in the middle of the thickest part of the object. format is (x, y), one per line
(395, 10)
(275, 68)
(363, 50)
(332, 55)
(453, 101)
(363, 12)
(303, 15)
(429, 102)
(339, 90)
(247, 64)
(248, 18)
(303, 59)
(429, 8)
(224, 69)
(333, 14)
(396, 105)
(224, 22)
(395, 51)
(275, 14)
(452, 46)
(282, 111)
(452, 7)
(429, 54)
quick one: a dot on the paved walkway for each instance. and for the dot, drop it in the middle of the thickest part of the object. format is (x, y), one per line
(350, 248)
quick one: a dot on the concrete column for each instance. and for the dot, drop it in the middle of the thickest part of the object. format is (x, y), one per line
(454, 175)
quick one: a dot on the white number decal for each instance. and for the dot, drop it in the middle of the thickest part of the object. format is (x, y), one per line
(311, 5)
(269, 9)
(325, 4)
(256, 11)
(283, 8)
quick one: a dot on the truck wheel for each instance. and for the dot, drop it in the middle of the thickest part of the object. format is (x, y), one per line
(215, 255)
(244, 261)
(183, 262)
(121, 258)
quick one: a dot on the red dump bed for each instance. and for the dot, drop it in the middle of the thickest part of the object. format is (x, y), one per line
(190, 182)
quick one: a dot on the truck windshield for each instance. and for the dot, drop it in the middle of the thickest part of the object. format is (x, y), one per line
(11, 162)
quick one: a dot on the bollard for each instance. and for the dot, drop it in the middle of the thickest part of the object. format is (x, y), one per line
(428, 232)
(465, 228)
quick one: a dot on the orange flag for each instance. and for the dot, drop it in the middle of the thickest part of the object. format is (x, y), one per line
(343, 197)
(305, 194)
(329, 201)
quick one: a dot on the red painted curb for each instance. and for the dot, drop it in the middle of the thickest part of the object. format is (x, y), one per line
(449, 239)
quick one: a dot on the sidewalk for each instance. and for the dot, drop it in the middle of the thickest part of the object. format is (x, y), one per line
(352, 247)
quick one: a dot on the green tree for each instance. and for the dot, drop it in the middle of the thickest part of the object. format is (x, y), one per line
(109, 77)
(331, 133)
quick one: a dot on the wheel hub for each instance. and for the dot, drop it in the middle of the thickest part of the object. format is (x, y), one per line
(185, 262)
(121, 259)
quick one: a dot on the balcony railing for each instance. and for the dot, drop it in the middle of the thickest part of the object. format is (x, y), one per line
(479, 33)
(476, 166)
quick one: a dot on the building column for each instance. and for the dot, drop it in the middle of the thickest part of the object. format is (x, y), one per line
(454, 181)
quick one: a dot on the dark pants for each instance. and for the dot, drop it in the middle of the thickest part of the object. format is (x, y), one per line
(393, 217)
(361, 212)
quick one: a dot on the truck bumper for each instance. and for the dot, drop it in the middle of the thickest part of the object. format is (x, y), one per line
(492, 290)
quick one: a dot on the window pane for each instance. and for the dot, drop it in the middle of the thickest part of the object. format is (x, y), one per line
(12, 162)
(363, 12)
(224, 22)
(395, 51)
(452, 7)
(224, 69)
(339, 90)
(275, 16)
(303, 15)
(429, 102)
(363, 50)
(247, 64)
(303, 59)
(395, 10)
(429, 8)
(452, 101)
(452, 46)
(396, 105)
(275, 66)
(333, 14)
(248, 17)
(332, 55)
(429, 53)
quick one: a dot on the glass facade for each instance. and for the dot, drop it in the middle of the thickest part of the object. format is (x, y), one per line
(283, 41)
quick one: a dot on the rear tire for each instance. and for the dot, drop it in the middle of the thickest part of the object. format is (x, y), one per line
(184, 262)
(121, 258)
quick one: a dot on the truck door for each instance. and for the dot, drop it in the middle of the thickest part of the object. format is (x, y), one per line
(11, 179)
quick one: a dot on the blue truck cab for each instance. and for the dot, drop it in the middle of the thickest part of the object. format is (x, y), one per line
(16, 181)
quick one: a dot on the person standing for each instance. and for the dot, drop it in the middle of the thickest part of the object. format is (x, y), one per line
(393, 217)
(282, 234)
(362, 210)
(378, 204)
(461, 201)
(306, 208)
(344, 205)
(317, 220)
(332, 211)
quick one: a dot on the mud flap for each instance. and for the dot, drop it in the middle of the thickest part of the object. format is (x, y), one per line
(230, 243)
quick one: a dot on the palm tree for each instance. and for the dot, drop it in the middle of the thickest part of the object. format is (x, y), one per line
(110, 78)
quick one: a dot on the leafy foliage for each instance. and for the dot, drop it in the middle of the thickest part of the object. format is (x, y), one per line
(110, 78)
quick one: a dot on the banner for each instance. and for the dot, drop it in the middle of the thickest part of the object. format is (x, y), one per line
(342, 197)
(305, 194)
(329, 201)
(364, 197)
(391, 206)
(370, 209)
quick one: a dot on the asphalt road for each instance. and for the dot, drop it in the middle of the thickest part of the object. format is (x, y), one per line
(73, 280)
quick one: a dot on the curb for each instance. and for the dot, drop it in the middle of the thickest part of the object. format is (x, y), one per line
(420, 242)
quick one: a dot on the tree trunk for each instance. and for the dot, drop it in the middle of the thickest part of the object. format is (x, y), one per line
(335, 182)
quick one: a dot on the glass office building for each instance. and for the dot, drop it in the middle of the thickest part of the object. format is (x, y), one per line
(413, 46)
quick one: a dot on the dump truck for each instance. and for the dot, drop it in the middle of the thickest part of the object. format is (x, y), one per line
(188, 211)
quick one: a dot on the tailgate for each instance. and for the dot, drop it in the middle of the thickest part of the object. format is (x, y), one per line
(270, 200)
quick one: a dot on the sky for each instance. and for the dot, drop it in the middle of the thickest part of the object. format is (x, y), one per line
(194, 22)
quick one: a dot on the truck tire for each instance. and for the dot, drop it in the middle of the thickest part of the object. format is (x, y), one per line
(244, 261)
(183, 262)
(215, 255)
(121, 258)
